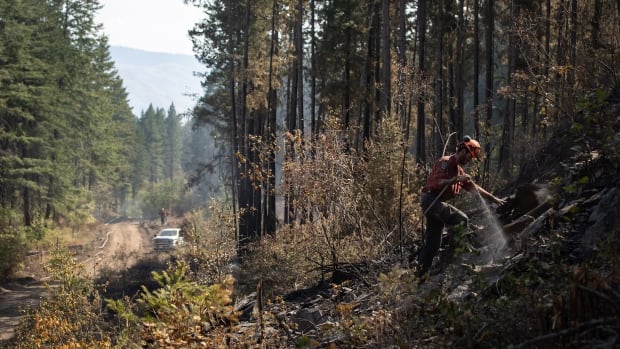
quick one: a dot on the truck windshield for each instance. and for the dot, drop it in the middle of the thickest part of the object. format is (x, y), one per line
(168, 233)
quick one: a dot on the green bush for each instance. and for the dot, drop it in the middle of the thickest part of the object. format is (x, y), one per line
(179, 314)
(71, 316)
(11, 250)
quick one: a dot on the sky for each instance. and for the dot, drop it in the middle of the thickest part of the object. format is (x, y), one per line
(149, 25)
(157, 26)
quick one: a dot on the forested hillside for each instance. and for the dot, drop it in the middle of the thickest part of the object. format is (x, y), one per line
(158, 78)
(71, 151)
(324, 119)
(283, 74)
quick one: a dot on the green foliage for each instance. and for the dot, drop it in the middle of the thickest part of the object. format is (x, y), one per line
(599, 124)
(71, 274)
(211, 245)
(70, 316)
(164, 194)
(350, 206)
(12, 247)
(153, 132)
(63, 110)
(156, 180)
(178, 313)
(172, 145)
(15, 242)
(388, 187)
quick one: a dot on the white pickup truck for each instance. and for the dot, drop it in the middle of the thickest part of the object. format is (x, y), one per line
(167, 239)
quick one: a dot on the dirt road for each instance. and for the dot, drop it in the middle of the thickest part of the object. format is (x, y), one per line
(123, 245)
(119, 247)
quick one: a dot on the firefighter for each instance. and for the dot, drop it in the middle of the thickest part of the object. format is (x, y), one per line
(445, 181)
(162, 216)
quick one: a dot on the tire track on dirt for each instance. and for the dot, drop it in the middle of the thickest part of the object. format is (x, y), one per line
(123, 246)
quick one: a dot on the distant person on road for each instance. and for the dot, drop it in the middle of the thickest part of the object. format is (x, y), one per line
(162, 215)
(445, 181)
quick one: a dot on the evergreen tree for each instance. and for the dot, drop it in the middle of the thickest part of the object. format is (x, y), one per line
(153, 131)
(62, 107)
(172, 144)
(27, 95)
(256, 53)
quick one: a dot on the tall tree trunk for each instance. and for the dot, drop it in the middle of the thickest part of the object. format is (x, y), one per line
(452, 108)
(546, 59)
(505, 160)
(490, 27)
(560, 56)
(292, 110)
(234, 146)
(573, 44)
(292, 118)
(299, 44)
(439, 126)
(347, 79)
(288, 145)
(377, 68)
(460, 81)
(401, 109)
(246, 220)
(270, 132)
(421, 137)
(476, 69)
(27, 207)
(313, 122)
(386, 85)
(368, 73)
(255, 120)
(596, 25)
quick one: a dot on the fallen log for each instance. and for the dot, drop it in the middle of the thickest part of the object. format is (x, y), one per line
(536, 225)
(521, 228)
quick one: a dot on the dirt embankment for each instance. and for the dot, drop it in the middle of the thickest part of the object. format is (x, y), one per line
(118, 247)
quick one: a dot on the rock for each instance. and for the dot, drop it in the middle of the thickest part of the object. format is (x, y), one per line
(245, 306)
(602, 219)
(307, 319)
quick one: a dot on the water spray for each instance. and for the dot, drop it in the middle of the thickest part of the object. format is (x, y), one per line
(493, 238)
(493, 235)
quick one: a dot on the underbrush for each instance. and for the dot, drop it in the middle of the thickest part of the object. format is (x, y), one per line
(71, 317)
(188, 296)
(351, 213)
(343, 260)
(356, 218)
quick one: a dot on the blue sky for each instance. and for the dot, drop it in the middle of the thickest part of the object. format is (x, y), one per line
(150, 25)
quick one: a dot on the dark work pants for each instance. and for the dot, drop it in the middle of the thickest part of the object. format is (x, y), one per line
(437, 217)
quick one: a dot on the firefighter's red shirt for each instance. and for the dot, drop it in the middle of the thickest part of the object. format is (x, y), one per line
(446, 168)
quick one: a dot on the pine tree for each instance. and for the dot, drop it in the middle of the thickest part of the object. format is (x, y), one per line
(153, 128)
(172, 144)
(27, 95)
(63, 110)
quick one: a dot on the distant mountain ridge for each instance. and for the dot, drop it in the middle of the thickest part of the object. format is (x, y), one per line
(158, 78)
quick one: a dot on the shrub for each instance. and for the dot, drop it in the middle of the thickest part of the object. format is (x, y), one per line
(179, 314)
(71, 317)
(351, 210)
(211, 244)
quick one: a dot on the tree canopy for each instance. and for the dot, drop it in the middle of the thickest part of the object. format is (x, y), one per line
(506, 72)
